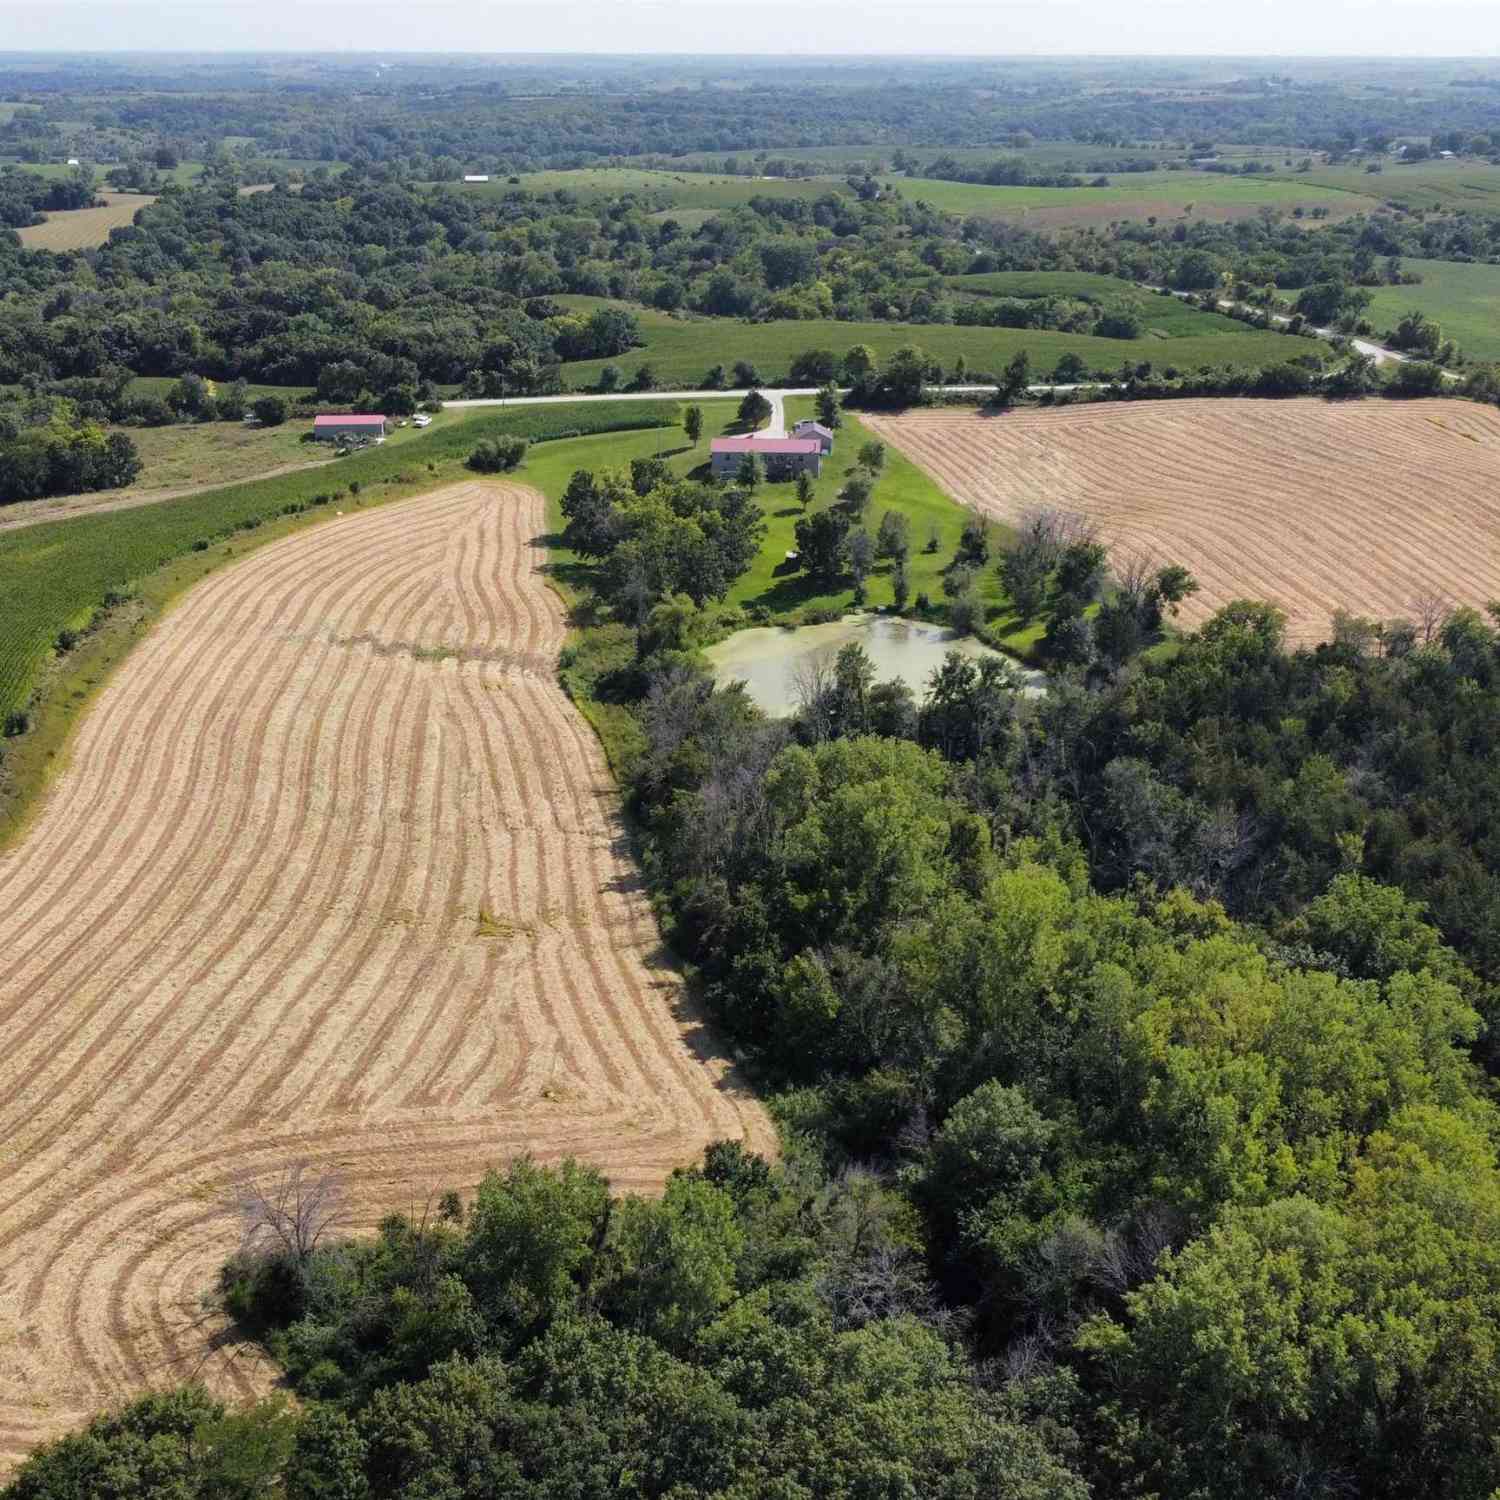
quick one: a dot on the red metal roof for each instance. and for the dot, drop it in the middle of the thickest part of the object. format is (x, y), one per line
(764, 445)
(350, 419)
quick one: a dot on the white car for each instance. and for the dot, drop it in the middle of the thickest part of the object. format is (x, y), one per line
(421, 420)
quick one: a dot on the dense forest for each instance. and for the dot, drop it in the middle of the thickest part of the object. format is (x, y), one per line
(525, 113)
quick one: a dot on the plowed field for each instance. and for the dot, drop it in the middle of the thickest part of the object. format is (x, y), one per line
(335, 873)
(1316, 506)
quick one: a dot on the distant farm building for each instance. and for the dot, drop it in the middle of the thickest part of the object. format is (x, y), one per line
(782, 457)
(329, 429)
(814, 432)
(476, 176)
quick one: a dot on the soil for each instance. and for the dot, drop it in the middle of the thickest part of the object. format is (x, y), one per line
(1373, 507)
(335, 874)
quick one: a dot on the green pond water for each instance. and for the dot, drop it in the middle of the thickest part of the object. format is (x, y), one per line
(770, 660)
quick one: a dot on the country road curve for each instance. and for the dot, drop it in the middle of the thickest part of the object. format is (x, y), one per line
(335, 872)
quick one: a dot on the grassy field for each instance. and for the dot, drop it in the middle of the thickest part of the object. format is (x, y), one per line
(1042, 155)
(79, 228)
(1133, 195)
(1440, 186)
(208, 453)
(1463, 298)
(681, 351)
(698, 190)
(55, 576)
(183, 173)
(1162, 316)
(159, 385)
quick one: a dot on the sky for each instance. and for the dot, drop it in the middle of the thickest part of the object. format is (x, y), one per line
(1409, 28)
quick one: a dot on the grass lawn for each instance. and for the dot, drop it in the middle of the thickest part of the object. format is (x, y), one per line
(1463, 297)
(682, 350)
(1134, 195)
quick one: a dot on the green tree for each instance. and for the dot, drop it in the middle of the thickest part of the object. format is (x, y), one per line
(748, 475)
(270, 411)
(530, 1233)
(821, 539)
(754, 410)
(828, 408)
(692, 424)
(676, 1259)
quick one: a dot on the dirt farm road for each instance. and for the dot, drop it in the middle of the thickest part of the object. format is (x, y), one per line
(335, 873)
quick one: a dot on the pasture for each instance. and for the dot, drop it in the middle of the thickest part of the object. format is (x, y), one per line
(1463, 297)
(1428, 186)
(83, 228)
(1132, 195)
(1371, 506)
(682, 350)
(335, 872)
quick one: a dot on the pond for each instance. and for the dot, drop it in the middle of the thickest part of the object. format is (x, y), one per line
(770, 659)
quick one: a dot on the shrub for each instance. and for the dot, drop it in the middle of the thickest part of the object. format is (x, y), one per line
(497, 455)
(17, 721)
(270, 411)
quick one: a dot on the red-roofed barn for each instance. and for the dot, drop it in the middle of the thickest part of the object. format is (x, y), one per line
(330, 428)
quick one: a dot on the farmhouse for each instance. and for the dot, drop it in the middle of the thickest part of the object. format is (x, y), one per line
(815, 432)
(783, 457)
(329, 429)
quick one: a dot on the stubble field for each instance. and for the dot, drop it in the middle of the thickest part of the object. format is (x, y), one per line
(1368, 506)
(82, 228)
(335, 874)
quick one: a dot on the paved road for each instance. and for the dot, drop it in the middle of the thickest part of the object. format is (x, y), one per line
(1381, 353)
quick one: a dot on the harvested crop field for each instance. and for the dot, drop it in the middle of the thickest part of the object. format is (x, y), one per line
(335, 873)
(82, 228)
(1365, 506)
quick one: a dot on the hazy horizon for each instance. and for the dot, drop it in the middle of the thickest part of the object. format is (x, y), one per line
(1293, 29)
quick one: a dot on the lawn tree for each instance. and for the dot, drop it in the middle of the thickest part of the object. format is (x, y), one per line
(805, 489)
(893, 539)
(860, 549)
(900, 584)
(872, 456)
(754, 410)
(828, 407)
(748, 474)
(855, 494)
(692, 424)
(821, 539)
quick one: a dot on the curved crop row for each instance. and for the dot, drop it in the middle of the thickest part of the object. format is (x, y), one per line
(1372, 507)
(335, 874)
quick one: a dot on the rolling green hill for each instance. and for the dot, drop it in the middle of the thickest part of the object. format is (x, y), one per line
(682, 350)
